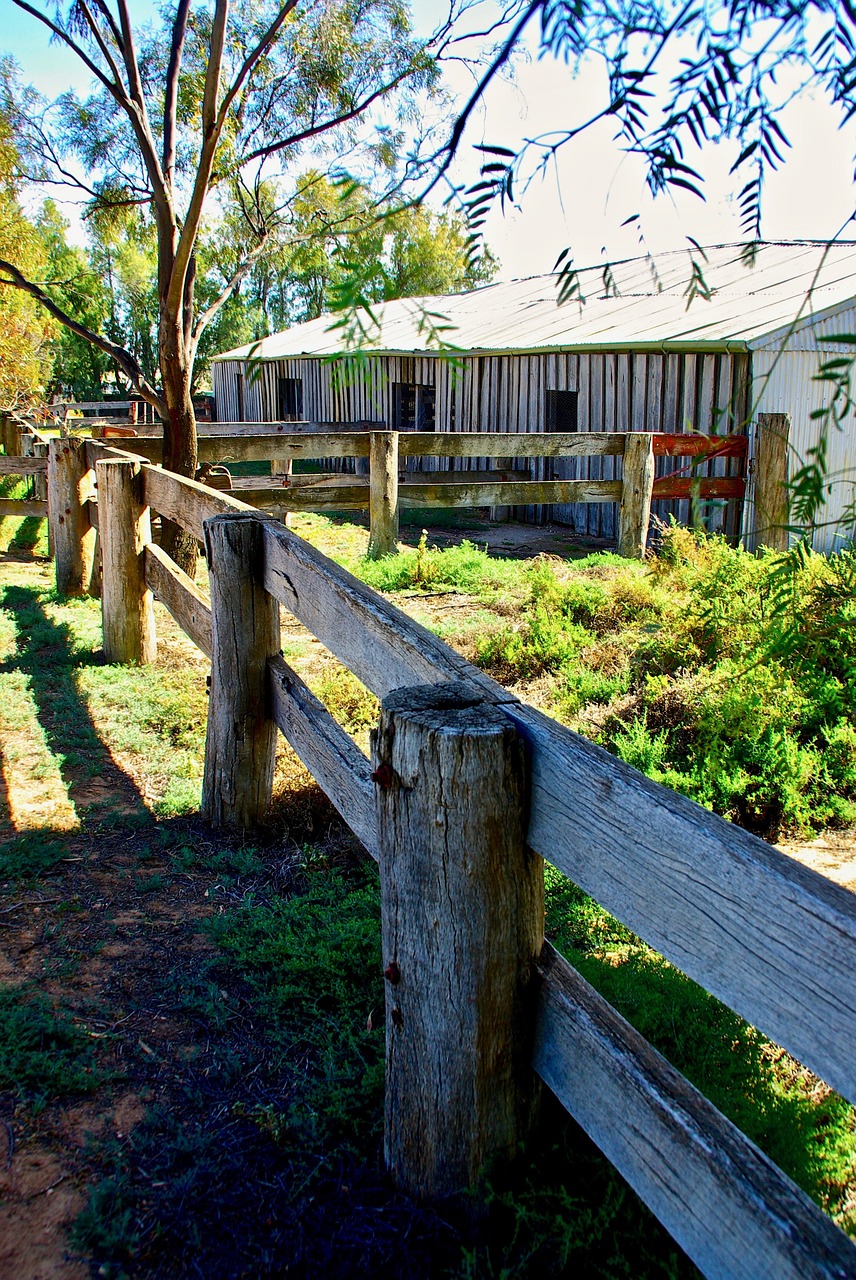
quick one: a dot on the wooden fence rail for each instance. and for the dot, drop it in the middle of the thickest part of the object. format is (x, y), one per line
(774, 940)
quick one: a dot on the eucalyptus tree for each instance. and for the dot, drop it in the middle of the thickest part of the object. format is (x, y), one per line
(25, 331)
(404, 250)
(193, 113)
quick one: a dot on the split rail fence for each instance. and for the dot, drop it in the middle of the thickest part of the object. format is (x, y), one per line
(24, 457)
(467, 790)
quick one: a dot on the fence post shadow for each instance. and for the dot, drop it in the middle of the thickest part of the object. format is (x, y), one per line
(44, 654)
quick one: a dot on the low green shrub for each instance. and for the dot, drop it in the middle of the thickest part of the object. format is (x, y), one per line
(43, 1055)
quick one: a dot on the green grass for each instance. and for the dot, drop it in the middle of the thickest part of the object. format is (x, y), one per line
(27, 534)
(43, 1055)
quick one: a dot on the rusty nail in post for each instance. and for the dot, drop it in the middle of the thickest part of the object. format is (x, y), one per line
(382, 775)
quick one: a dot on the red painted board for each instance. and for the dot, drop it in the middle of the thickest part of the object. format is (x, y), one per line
(690, 446)
(715, 487)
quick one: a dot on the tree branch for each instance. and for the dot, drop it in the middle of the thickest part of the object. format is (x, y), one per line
(205, 317)
(138, 115)
(100, 41)
(179, 31)
(114, 90)
(251, 59)
(313, 130)
(210, 137)
(123, 358)
(499, 61)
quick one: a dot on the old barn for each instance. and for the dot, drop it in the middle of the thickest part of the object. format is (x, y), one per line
(632, 351)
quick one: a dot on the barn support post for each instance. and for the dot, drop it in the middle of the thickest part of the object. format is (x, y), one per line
(462, 901)
(637, 487)
(124, 527)
(71, 484)
(771, 514)
(383, 493)
(240, 746)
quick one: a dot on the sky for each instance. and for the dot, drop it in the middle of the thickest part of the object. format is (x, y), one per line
(594, 187)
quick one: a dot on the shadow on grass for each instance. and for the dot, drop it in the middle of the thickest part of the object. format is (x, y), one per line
(28, 534)
(100, 790)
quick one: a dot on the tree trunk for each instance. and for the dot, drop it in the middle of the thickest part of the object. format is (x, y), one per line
(179, 432)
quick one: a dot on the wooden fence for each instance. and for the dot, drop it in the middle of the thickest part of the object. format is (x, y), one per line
(466, 791)
(25, 455)
(501, 482)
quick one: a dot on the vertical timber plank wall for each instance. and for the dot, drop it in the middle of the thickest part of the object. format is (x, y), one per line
(647, 391)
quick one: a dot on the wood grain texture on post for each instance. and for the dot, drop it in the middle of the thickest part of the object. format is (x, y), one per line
(771, 482)
(463, 924)
(634, 514)
(240, 746)
(383, 493)
(71, 483)
(124, 528)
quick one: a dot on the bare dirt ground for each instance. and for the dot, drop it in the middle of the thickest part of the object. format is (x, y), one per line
(113, 934)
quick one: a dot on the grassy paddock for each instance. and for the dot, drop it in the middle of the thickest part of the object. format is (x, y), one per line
(234, 991)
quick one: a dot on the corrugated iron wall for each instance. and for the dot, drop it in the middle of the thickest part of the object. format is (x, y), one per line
(785, 382)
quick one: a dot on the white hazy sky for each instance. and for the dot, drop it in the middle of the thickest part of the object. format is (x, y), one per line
(583, 201)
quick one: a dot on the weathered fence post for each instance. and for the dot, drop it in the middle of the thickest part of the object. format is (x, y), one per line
(12, 436)
(283, 467)
(771, 516)
(124, 528)
(40, 483)
(463, 924)
(383, 493)
(637, 486)
(71, 483)
(240, 747)
(501, 515)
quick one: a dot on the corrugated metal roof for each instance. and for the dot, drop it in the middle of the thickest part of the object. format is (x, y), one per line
(647, 307)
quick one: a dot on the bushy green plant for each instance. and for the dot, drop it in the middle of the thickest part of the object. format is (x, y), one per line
(465, 568)
(42, 1053)
(314, 964)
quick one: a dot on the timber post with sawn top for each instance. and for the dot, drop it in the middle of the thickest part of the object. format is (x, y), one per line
(462, 906)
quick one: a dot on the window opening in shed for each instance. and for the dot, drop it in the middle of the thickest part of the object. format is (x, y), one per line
(290, 399)
(242, 406)
(561, 411)
(412, 407)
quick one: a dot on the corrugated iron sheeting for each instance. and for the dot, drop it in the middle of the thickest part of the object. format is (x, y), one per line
(786, 382)
(649, 310)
